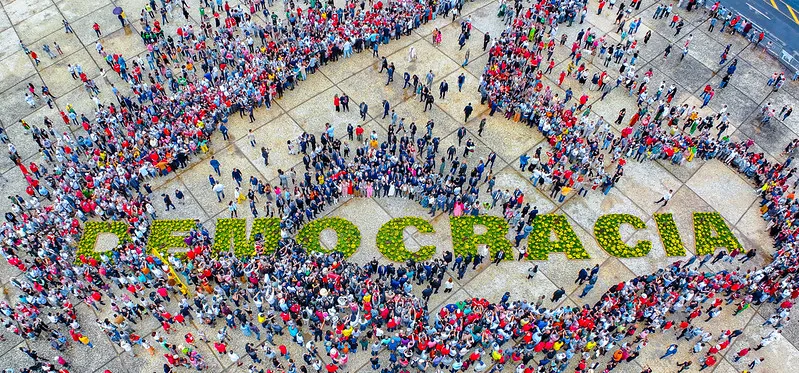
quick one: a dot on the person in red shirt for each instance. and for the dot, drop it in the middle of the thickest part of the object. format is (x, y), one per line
(709, 362)
(220, 347)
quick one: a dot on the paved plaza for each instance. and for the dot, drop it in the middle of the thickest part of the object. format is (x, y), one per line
(699, 186)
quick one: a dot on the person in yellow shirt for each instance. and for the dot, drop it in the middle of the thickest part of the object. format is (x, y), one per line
(564, 192)
(85, 340)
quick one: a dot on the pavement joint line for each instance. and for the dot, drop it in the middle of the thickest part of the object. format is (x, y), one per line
(756, 201)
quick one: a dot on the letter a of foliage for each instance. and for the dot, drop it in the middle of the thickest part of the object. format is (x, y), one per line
(705, 223)
(607, 232)
(465, 241)
(567, 241)
(349, 237)
(391, 244)
(162, 239)
(92, 230)
(669, 235)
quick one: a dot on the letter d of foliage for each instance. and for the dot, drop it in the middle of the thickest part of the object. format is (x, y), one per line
(567, 241)
(162, 239)
(93, 229)
(349, 237)
(606, 231)
(233, 233)
(705, 223)
(465, 241)
(391, 244)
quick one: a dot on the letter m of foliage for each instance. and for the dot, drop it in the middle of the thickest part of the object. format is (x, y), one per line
(705, 224)
(233, 233)
(465, 241)
(92, 230)
(567, 241)
(607, 233)
(348, 235)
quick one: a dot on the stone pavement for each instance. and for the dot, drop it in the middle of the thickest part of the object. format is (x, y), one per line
(699, 186)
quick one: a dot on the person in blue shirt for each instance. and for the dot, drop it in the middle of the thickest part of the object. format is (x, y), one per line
(215, 164)
(523, 160)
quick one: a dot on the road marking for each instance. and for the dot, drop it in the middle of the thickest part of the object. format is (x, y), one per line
(793, 14)
(774, 4)
(759, 12)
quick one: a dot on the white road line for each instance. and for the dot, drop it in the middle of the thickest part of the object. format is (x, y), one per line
(758, 11)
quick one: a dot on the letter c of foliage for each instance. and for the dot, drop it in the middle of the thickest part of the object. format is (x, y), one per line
(234, 232)
(465, 241)
(705, 223)
(540, 246)
(93, 229)
(162, 239)
(391, 244)
(349, 237)
(669, 235)
(608, 235)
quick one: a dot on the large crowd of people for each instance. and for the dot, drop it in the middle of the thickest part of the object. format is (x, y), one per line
(185, 88)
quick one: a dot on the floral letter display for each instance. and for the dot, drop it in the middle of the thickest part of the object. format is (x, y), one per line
(230, 232)
(705, 223)
(391, 244)
(465, 241)
(161, 237)
(669, 235)
(540, 246)
(710, 230)
(234, 231)
(608, 235)
(93, 229)
(268, 230)
(349, 237)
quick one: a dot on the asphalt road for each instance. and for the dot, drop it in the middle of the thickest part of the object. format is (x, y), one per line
(780, 18)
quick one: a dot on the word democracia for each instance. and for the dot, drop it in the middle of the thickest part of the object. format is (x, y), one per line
(710, 232)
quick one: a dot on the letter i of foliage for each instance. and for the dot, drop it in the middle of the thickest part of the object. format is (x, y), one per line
(669, 235)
